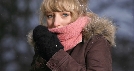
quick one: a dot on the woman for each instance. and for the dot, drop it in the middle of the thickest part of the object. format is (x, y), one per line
(72, 40)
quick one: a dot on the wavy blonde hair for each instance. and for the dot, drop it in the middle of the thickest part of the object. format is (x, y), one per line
(75, 7)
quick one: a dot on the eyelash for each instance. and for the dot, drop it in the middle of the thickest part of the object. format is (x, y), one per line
(49, 16)
(65, 14)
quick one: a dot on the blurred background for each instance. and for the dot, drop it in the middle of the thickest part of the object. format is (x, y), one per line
(18, 17)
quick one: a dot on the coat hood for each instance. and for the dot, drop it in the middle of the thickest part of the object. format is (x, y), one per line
(100, 25)
(97, 25)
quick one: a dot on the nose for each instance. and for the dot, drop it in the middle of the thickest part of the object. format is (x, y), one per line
(57, 21)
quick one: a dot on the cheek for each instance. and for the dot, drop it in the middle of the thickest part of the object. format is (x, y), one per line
(68, 21)
(49, 23)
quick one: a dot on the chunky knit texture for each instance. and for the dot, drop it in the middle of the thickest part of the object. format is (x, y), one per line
(71, 34)
(46, 43)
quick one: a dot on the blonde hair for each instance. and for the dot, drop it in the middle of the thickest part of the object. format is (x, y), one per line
(75, 7)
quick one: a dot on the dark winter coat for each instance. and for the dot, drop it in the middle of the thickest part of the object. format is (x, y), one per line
(93, 54)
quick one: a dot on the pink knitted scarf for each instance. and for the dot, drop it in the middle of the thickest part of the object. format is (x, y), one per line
(71, 34)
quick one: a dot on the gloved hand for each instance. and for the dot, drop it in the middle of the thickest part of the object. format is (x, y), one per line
(46, 43)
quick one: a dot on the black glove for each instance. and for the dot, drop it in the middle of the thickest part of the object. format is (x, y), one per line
(46, 42)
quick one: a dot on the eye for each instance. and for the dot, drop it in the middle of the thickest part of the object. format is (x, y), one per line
(49, 16)
(65, 14)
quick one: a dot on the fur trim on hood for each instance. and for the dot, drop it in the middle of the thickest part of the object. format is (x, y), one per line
(97, 25)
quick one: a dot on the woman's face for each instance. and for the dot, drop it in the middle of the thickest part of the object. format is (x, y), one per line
(58, 19)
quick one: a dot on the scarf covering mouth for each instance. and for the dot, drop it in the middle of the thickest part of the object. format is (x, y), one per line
(71, 34)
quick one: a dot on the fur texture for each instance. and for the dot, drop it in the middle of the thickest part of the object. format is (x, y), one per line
(102, 26)
(97, 25)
